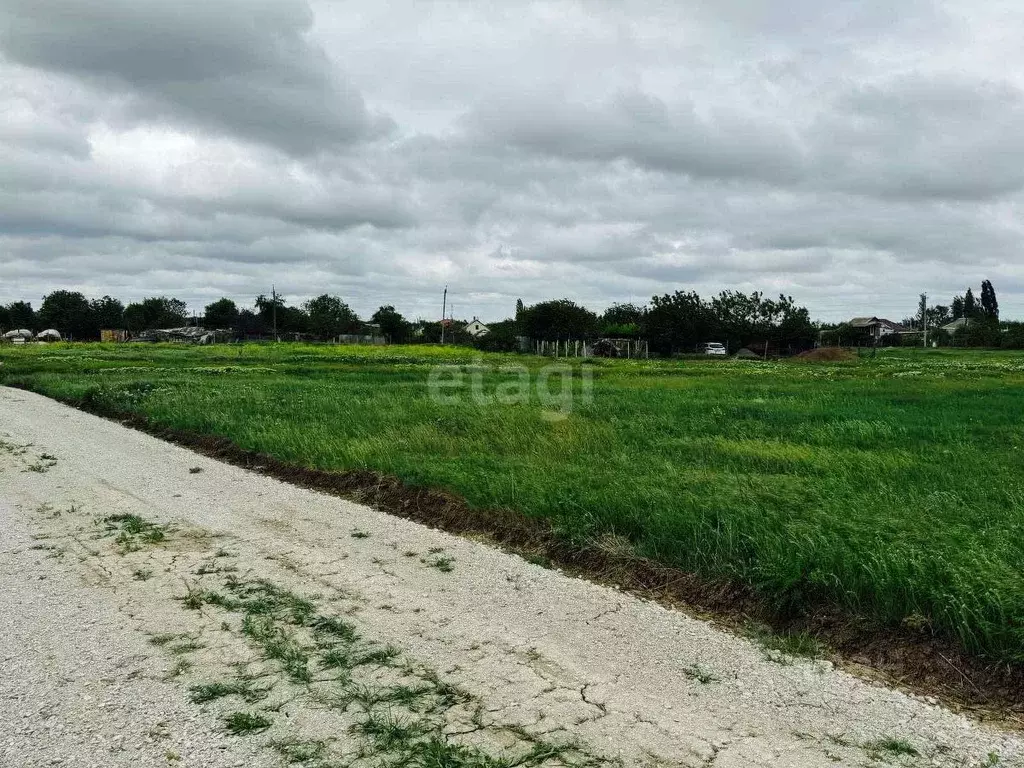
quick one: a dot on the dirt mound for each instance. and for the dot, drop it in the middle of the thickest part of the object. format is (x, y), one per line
(746, 354)
(827, 355)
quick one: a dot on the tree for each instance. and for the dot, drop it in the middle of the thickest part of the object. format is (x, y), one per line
(156, 312)
(107, 312)
(329, 316)
(222, 313)
(989, 304)
(288, 319)
(560, 319)
(623, 320)
(69, 312)
(392, 324)
(519, 308)
(939, 316)
(22, 316)
(678, 322)
(957, 307)
(5, 319)
(970, 305)
(502, 337)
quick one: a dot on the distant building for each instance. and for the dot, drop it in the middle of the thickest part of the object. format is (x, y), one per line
(877, 327)
(476, 329)
(956, 325)
(113, 334)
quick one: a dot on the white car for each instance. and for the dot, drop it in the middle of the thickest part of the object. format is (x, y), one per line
(713, 348)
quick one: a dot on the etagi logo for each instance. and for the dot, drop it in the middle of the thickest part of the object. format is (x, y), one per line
(557, 387)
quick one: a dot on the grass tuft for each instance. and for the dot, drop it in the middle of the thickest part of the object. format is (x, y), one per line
(243, 723)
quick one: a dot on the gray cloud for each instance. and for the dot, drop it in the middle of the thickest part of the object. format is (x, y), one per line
(852, 154)
(243, 67)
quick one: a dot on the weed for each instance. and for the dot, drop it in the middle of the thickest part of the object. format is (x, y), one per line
(181, 666)
(188, 645)
(786, 644)
(330, 628)
(195, 470)
(295, 751)
(134, 531)
(358, 534)
(204, 692)
(164, 639)
(278, 645)
(441, 562)
(892, 746)
(388, 731)
(142, 574)
(242, 723)
(700, 674)
(380, 656)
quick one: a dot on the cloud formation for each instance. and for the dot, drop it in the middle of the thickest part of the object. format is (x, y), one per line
(852, 154)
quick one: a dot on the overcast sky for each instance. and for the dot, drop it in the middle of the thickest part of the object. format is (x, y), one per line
(851, 153)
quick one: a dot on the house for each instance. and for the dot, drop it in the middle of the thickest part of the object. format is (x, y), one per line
(476, 329)
(877, 327)
(956, 325)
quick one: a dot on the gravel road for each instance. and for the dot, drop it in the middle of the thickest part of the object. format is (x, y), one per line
(159, 608)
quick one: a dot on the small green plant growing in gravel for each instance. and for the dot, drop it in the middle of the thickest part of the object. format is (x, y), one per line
(242, 723)
(893, 747)
(141, 574)
(249, 693)
(359, 534)
(443, 563)
(296, 751)
(788, 644)
(700, 674)
(134, 531)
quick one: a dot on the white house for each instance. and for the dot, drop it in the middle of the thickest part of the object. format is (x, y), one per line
(878, 326)
(476, 328)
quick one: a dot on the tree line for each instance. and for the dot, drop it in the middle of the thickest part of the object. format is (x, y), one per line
(79, 318)
(981, 326)
(671, 323)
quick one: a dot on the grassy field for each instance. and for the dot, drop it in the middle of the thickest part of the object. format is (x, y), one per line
(890, 487)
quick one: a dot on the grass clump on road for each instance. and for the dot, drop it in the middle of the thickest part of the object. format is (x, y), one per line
(243, 723)
(888, 488)
(134, 532)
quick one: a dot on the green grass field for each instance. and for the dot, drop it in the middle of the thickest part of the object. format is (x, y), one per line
(891, 488)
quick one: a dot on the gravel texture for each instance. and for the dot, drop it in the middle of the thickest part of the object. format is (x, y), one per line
(541, 657)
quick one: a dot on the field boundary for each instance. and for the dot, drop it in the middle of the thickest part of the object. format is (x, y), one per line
(914, 661)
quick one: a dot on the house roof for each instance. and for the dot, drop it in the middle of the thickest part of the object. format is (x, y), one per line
(960, 322)
(863, 322)
(870, 322)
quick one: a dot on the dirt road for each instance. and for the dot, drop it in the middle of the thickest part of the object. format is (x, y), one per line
(159, 608)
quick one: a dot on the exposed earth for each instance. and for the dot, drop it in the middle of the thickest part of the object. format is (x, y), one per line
(160, 608)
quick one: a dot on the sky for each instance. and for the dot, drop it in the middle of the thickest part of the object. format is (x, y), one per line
(850, 153)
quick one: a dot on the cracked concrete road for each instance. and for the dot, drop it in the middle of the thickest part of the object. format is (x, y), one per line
(545, 659)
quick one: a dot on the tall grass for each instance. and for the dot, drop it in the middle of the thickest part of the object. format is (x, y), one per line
(890, 487)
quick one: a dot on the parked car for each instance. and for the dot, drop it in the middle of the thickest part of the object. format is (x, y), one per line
(713, 348)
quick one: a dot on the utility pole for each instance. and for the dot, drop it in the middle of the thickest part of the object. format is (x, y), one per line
(444, 306)
(924, 318)
(273, 309)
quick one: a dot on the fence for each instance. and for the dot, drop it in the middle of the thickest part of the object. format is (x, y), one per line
(628, 348)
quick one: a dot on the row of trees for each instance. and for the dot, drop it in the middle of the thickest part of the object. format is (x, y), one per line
(671, 324)
(76, 317)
